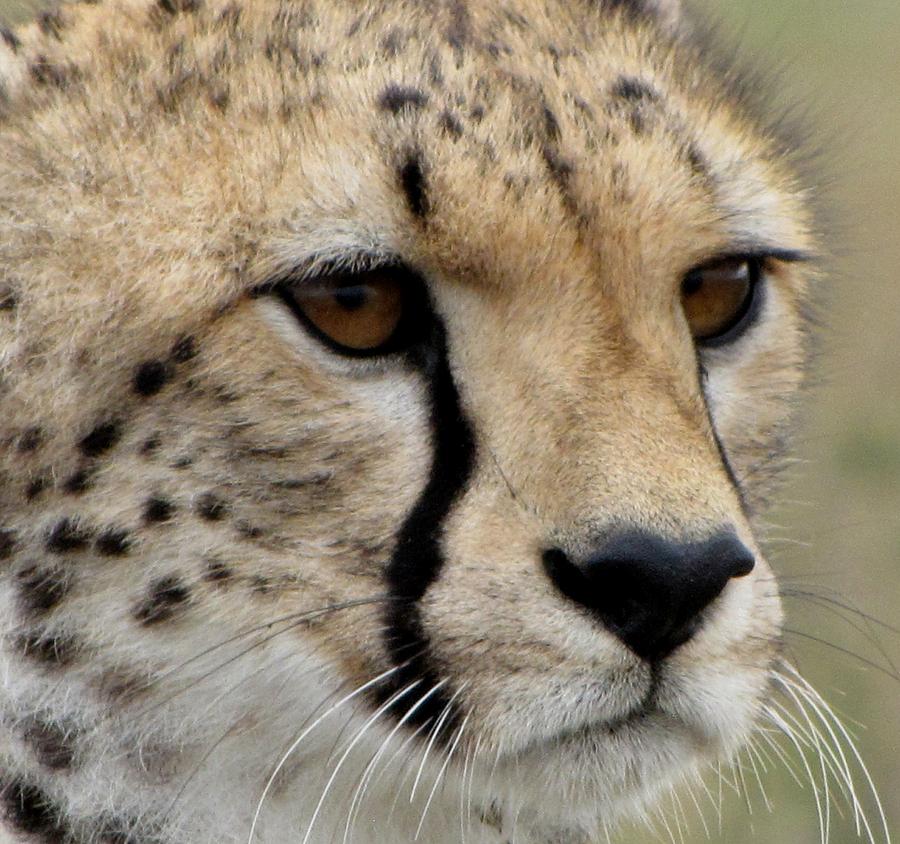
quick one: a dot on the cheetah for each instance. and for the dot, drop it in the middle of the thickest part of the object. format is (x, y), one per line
(391, 391)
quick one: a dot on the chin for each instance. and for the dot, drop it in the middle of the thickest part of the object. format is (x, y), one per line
(585, 779)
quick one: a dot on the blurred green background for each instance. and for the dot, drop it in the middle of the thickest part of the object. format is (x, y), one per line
(839, 525)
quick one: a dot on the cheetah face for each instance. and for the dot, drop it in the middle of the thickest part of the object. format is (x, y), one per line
(410, 387)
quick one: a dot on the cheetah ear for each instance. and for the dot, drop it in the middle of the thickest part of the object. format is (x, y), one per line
(668, 12)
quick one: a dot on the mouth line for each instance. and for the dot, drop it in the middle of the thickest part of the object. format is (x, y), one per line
(645, 708)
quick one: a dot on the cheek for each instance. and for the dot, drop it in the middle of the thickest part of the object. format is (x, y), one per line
(752, 388)
(326, 462)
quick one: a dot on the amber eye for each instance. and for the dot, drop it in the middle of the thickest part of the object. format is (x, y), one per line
(356, 313)
(717, 298)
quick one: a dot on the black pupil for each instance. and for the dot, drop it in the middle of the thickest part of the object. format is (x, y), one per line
(691, 284)
(351, 298)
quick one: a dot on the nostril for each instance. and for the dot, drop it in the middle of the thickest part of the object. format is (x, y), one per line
(568, 578)
(647, 590)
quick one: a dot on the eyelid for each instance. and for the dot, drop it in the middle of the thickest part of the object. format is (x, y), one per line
(760, 253)
(323, 267)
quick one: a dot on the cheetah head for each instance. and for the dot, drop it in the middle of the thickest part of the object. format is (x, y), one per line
(390, 393)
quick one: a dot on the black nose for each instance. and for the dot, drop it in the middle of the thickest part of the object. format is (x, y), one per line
(648, 591)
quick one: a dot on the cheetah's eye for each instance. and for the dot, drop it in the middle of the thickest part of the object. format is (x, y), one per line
(717, 298)
(359, 314)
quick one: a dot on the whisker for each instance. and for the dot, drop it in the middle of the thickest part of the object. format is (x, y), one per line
(440, 775)
(868, 662)
(294, 619)
(825, 710)
(373, 762)
(296, 743)
(439, 725)
(786, 730)
(356, 739)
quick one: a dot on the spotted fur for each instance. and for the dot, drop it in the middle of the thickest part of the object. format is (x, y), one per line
(249, 585)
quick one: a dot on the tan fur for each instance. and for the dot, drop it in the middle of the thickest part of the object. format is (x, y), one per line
(157, 167)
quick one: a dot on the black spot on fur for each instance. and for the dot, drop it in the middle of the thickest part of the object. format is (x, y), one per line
(184, 350)
(316, 479)
(261, 585)
(100, 439)
(8, 298)
(78, 482)
(477, 113)
(634, 90)
(435, 72)
(150, 377)
(165, 597)
(113, 543)
(637, 121)
(634, 9)
(30, 439)
(51, 23)
(174, 7)
(249, 531)
(151, 445)
(7, 544)
(459, 32)
(399, 98)
(36, 487)
(217, 572)
(45, 72)
(53, 746)
(224, 395)
(412, 180)
(211, 507)
(31, 811)
(40, 589)
(50, 651)
(450, 124)
(158, 509)
(393, 41)
(551, 124)
(66, 536)
(561, 172)
(697, 161)
(10, 38)
(121, 687)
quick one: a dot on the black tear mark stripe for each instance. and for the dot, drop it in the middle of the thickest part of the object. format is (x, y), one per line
(702, 379)
(418, 556)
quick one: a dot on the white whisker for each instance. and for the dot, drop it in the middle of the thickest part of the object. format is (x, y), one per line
(448, 708)
(296, 743)
(356, 739)
(440, 775)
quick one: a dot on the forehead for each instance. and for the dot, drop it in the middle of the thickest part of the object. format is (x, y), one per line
(544, 125)
(477, 141)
